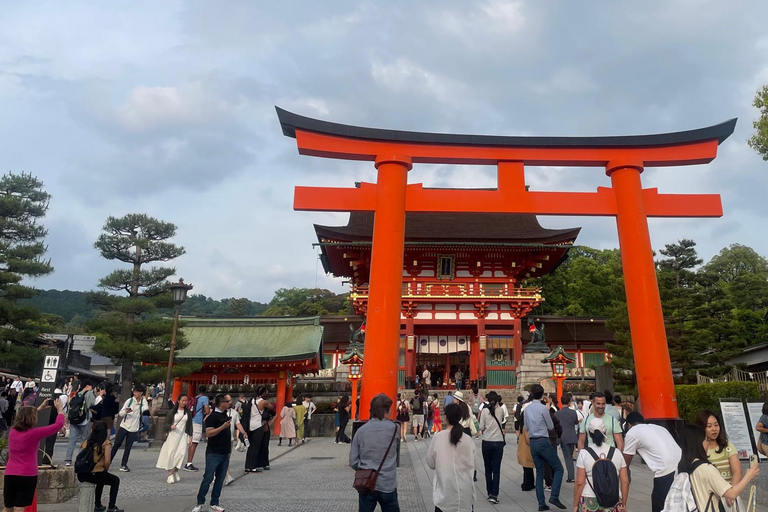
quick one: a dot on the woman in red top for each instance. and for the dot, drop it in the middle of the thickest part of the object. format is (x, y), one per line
(20, 480)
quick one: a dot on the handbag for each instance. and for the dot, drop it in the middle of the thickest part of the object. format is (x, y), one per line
(365, 479)
(503, 436)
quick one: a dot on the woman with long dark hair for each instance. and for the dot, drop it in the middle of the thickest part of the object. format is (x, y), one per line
(494, 438)
(178, 432)
(102, 457)
(20, 479)
(720, 451)
(343, 408)
(452, 455)
(706, 482)
(255, 420)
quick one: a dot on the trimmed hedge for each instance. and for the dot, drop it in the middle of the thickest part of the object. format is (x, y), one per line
(693, 398)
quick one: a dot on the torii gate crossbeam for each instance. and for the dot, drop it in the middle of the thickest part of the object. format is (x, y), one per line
(623, 158)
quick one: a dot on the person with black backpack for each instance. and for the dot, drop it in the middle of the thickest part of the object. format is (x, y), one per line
(79, 417)
(602, 479)
(92, 465)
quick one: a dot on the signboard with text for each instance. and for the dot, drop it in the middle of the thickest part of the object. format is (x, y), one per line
(737, 427)
(755, 410)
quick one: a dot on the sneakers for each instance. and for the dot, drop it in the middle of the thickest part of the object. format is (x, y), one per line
(556, 502)
(216, 508)
(125, 469)
(170, 479)
(67, 463)
(176, 476)
(493, 499)
(228, 480)
(197, 508)
(189, 467)
(115, 510)
(266, 468)
(100, 508)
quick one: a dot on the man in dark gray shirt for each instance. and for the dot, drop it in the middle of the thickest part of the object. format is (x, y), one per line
(538, 423)
(569, 420)
(367, 451)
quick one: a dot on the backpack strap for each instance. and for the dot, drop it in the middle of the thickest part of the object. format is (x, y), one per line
(592, 453)
(611, 451)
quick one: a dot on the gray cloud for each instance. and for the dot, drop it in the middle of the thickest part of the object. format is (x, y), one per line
(168, 109)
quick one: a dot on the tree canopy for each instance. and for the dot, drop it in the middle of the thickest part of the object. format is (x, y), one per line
(23, 202)
(130, 330)
(759, 140)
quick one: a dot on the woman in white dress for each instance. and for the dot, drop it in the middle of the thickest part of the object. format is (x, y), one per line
(178, 428)
(287, 424)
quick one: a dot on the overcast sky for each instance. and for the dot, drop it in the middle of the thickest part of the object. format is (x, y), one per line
(167, 108)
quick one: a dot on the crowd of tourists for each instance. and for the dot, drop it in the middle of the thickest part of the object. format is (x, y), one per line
(702, 470)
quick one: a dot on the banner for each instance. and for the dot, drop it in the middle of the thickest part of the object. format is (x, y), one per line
(737, 427)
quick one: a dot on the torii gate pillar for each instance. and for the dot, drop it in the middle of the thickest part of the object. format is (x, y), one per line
(646, 319)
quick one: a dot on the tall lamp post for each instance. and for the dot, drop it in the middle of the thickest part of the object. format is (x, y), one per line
(179, 291)
(559, 361)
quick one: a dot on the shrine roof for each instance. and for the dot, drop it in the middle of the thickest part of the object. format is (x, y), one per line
(291, 122)
(252, 339)
(483, 228)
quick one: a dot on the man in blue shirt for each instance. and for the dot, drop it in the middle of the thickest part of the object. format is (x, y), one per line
(202, 410)
(538, 423)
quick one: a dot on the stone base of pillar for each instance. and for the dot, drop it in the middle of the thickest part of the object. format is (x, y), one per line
(532, 371)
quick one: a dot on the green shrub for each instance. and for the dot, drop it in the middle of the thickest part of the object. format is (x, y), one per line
(693, 398)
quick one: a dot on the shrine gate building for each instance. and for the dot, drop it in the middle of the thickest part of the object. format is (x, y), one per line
(464, 297)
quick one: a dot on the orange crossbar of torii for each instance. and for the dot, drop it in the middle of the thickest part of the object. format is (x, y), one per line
(623, 158)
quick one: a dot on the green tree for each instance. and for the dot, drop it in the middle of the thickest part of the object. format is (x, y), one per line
(676, 279)
(129, 330)
(759, 140)
(23, 202)
(307, 302)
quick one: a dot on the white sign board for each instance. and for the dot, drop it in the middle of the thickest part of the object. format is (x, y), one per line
(737, 427)
(51, 362)
(60, 337)
(84, 338)
(755, 410)
(49, 376)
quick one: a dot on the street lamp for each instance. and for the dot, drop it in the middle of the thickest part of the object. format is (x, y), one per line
(559, 361)
(354, 359)
(179, 291)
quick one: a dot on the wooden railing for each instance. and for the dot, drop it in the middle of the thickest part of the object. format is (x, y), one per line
(439, 289)
(761, 377)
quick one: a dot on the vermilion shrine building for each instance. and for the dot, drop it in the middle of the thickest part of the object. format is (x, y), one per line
(464, 296)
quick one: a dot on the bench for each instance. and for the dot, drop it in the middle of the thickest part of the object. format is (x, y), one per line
(87, 497)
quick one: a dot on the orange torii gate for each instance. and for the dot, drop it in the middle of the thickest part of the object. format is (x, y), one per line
(624, 159)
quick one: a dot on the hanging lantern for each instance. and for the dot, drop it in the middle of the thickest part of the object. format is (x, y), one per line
(247, 379)
(214, 379)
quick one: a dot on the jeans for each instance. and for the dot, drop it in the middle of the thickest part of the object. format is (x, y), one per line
(388, 500)
(661, 487)
(129, 438)
(493, 451)
(568, 456)
(101, 479)
(77, 434)
(216, 465)
(544, 453)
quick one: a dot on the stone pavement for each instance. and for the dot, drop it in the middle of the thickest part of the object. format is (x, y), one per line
(316, 477)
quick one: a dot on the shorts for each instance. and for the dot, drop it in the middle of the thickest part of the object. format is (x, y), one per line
(418, 420)
(19, 491)
(197, 432)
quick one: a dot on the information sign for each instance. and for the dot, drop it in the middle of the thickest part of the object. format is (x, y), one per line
(755, 410)
(735, 419)
(51, 362)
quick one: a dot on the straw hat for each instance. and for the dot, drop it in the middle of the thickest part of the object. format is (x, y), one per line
(459, 395)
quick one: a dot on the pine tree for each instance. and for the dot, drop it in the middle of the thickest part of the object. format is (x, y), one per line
(22, 203)
(130, 331)
(677, 289)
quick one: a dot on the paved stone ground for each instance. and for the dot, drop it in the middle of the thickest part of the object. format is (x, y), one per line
(316, 477)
